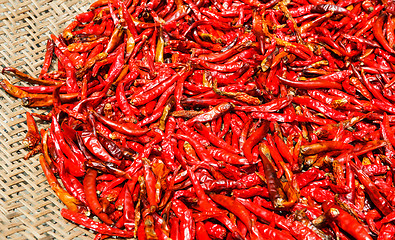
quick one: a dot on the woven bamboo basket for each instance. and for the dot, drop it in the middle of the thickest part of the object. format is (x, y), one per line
(28, 207)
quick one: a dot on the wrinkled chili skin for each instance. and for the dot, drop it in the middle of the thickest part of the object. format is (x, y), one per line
(216, 112)
(122, 128)
(346, 221)
(94, 146)
(91, 197)
(254, 139)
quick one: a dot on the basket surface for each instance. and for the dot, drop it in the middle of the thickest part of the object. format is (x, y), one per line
(29, 209)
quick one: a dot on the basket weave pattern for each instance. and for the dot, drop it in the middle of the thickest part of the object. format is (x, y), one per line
(28, 207)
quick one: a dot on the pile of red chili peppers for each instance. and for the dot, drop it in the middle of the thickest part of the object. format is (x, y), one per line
(221, 119)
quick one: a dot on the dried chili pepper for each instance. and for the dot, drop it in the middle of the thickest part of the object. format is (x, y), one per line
(201, 100)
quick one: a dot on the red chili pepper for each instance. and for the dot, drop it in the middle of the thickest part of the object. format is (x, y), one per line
(378, 33)
(324, 146)
(159, 89)
(276, 192)
(214, 140)
(270, 232)
(83, 220)
(85, 17)
(272, 106)
(200, 150)
(216, 231)
(70, 201)
(310, 175)
(71, 81)
(380, 202)
(48, 57)
(240, 211)
(86, 46)
(387, 232)
(223, 155)
(318, 106)
(150, 182)
(91, 197)
(128, 129)
(201, 232)
(32, 137)
(30, 79)
(310, 84)
(73, 165)
(345, 221)
(95, 147)
(257, 136)
(126, 108)
(297, 229)
(186, 220)
(216, 112)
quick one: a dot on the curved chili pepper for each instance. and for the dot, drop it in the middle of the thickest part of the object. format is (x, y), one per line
(310, 84)
(159, 89)
(297, 229)
(368, 85)
(255, 137)
(379, 201)
(90, 224)
(127, 129)
(332, 101)
(281, 147)
(95, 147)
(318, 106)
(48, 58)
(272, 106)
(32, 137)
(270, 232)
(71, 202)
(91, 197)
(214, 113)
(30, 79)
(74, 164)
(124, 105)
(200, 150)
(86, 46)
(150, 182)
(316, 22)
(322, 8)
(378, 33)
(118, 152)
(386, 232)
(239, 96)
(345, 221)
(201, 232)
(223, 155)
(240, 211)
(276, 192)
(33, 99)
(324, 146)
(216, 141)
(71, 80)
